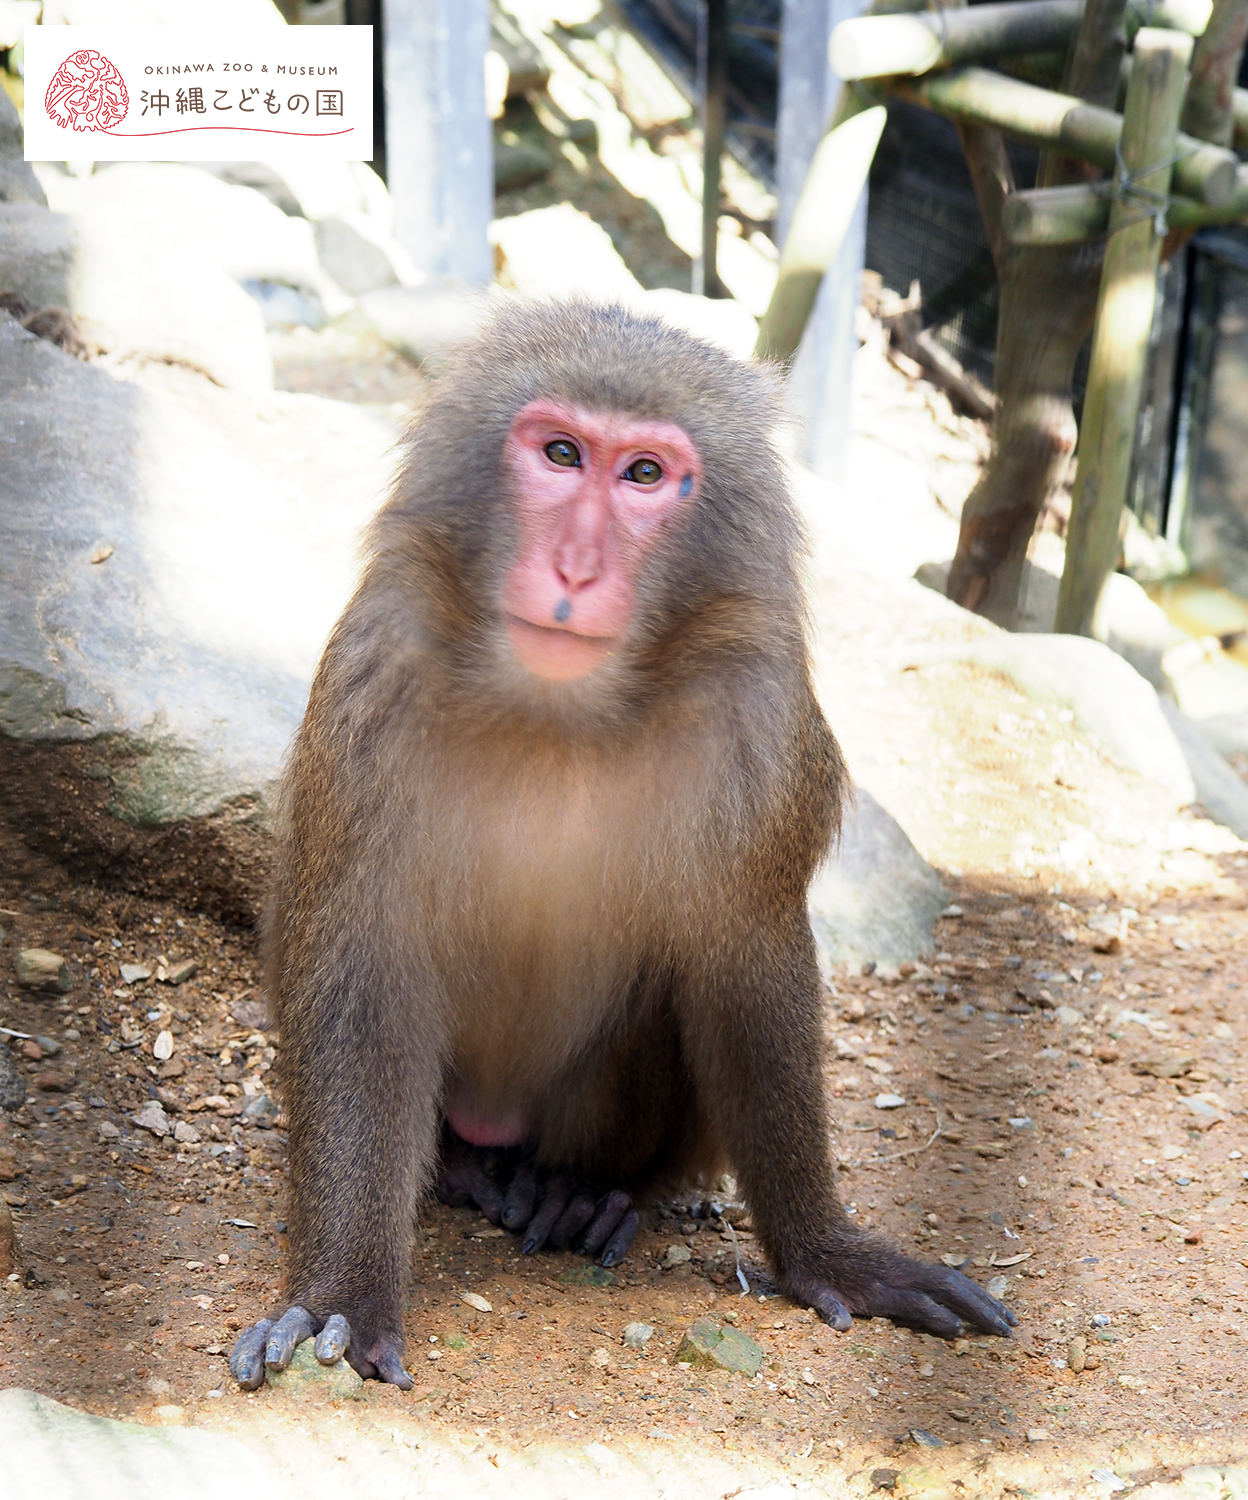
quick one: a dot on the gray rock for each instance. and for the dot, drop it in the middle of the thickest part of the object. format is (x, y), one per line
(1217, 786)
(876, 897)
(637, 1335)
(12, 1084)
(355, 262)
(423, 321)
(39, 969)
(1227, 733)
(165, 681)
(517, 166)
(261, 1111)
(58, 1453)
(306, 1377)
(37, 253)
(18, 183)
(676, 1255)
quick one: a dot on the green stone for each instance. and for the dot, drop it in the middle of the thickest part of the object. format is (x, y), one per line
(588, 1276)
(709, 1346)
(306, 1376)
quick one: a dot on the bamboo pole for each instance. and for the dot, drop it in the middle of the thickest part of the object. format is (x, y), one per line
(1061, 122)
(1077, 214)
(1124, 317)
(876, 46)
(834, 182)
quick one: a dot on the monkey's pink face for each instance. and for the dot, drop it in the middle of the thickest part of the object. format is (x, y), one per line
(595, 491)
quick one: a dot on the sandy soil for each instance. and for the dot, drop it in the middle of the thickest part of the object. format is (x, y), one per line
(1057, 1142)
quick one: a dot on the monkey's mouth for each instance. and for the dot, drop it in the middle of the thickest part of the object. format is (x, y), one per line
(556, 653)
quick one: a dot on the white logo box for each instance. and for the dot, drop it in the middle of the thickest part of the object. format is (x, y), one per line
(182, 93)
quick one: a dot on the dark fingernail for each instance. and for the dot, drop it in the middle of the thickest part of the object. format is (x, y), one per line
(529, 1246)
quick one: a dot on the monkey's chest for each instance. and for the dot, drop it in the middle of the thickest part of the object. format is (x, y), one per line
(545, 932)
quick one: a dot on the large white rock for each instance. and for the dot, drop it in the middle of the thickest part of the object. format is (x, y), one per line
(184, 657)
(58, 1453)
(1110, 701)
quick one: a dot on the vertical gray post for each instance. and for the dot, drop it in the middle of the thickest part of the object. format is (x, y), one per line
(439, 144)
(819, 379)
(714, 117)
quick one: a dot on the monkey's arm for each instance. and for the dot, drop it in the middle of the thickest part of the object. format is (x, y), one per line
(361, 1088)
(753, 1029)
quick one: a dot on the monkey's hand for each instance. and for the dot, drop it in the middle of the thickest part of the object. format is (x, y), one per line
(861, 1276)
(269, 1345)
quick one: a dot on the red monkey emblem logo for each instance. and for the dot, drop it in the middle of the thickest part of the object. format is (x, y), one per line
(87, 92)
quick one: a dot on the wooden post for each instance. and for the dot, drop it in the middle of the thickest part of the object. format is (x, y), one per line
(1124, 316)
(829, 197)
(713, 120)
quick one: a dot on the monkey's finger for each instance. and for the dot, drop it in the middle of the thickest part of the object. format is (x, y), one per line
(605, 1222)
(969, 1300)
(621, 1242)
(544, 1220)
(247, 1355)
(913, 1307)
(290, 1330)
(521, 1199)
(486, 1193)
(572, 1220)
(333, 1339)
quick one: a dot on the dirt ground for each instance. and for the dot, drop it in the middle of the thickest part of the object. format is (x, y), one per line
(1055, 1150)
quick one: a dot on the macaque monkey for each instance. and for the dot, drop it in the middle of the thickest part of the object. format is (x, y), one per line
(539, 938)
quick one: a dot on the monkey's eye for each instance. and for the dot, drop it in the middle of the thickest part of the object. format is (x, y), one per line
(644, 471)
(566, 455)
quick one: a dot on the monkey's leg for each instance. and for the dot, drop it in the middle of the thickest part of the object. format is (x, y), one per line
(753, 1035)
(361, 1096)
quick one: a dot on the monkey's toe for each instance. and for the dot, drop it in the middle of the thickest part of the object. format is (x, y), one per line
(247, 1355)
(333, 1339)
(383, 1360)
(285, 1336)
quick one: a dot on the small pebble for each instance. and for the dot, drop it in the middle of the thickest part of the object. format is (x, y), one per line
(186, 1134)
(997, 1286)
(889, 1101)
(162, 1047)
(676, 1255)
(1037, 1435)
(107, 1131)
(637, 1335)
(135, 973)
(153, 1117)
(475, 1299)
(951, 911)
(41, 970)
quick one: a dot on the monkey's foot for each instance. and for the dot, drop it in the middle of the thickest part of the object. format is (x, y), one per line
(867, 1278)
(269, 1345)
(552, 1211)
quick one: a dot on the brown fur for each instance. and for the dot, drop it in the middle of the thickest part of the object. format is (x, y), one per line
(588, 899)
